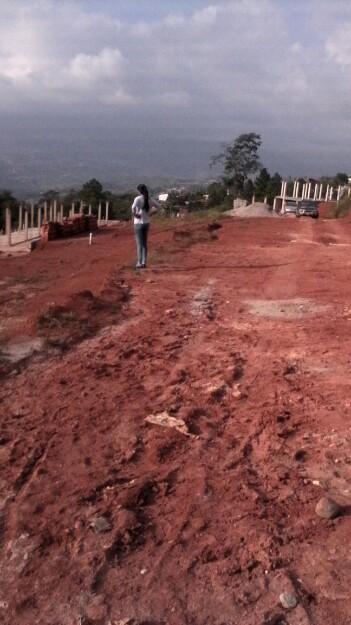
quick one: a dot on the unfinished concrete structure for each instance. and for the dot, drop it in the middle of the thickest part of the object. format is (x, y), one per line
(296, 190)
(22, 225)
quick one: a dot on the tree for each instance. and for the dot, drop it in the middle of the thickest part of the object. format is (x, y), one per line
(120, 205)
(341, 179)
(334, 181)
(273, 188)
(240, 160)
(261, 184)
(217, 194)
(50, 195)
(92, 192)
(248, 190)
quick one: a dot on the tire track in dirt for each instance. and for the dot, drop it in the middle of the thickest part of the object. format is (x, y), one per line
(207, 529)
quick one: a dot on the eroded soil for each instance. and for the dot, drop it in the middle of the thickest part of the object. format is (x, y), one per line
(163, 448)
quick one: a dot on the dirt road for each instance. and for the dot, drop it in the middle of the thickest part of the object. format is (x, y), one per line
(203, 516)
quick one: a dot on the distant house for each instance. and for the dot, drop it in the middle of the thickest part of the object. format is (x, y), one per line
(163, 197)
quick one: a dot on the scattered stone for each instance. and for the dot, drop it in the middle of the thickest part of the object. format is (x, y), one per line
(288, 600)
(100, 525)
(129, 455)
(165, 420)
(328, 508)
(217, 390)
(143, 571)
(236, 392)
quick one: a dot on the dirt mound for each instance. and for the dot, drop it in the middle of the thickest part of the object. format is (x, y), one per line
(257, 209)
(186, 237)
(83, 314)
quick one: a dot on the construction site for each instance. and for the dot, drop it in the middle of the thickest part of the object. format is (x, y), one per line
(175, 446)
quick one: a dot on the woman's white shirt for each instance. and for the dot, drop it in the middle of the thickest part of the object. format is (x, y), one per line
(140, 216)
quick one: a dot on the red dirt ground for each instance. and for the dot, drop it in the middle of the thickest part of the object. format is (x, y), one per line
(246, 338)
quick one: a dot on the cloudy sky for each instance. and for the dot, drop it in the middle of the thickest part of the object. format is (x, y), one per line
(159, 72)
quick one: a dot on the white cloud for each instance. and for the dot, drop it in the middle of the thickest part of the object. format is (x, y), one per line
(207, 15)
(232, 65)
(46, 46)
(105, 65)
(339, 46)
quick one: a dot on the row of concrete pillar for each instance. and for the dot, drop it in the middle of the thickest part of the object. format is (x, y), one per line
(313, 193)
(53, 212)
(45, 213)
(253, 200)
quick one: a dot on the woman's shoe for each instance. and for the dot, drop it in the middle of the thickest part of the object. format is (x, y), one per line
(138, 266)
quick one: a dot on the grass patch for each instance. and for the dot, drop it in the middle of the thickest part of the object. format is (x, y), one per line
(196, 216)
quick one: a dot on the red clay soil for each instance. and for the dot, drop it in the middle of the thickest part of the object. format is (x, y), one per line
(244, 341)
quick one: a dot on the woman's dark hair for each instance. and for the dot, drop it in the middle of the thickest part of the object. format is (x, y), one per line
(142, 188)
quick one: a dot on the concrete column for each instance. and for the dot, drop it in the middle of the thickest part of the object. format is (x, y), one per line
(320, 192)
(99, 212)
(61, 212)
(72, 209)
(45, 212)
(50, 212)
(32, 214)
(309, 187)
(315, 191)
(349, 192)
(265, 200)
(327, 194)
(39, 219)
(331, 193)
(8, 226)
(20, 217)
(275, 204)
(81, 208)
(89, 209)
(282, 188)
(297, 188)
(339, 193)
(55, 210)
(107, 209)
(26, 225)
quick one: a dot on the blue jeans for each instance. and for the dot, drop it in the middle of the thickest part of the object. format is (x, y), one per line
(141, 233)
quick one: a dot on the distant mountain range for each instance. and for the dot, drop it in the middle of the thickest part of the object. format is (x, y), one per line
(36, 156)
(41, 152)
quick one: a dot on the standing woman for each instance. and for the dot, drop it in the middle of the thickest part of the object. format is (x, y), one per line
(141, 210)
